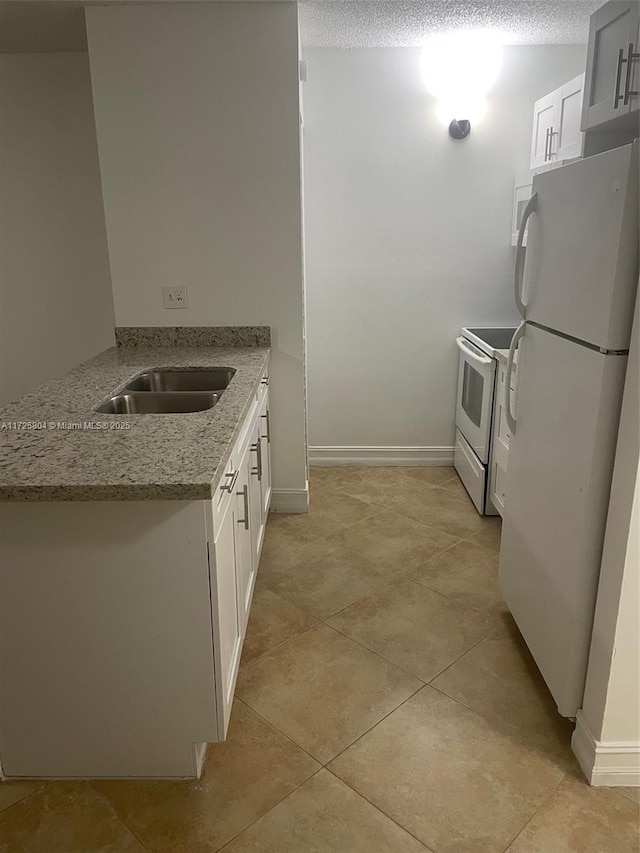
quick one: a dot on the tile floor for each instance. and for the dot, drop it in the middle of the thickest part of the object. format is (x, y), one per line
(385, 702)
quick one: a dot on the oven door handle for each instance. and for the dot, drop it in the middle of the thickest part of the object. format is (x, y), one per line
(515, 340)
(481, 359)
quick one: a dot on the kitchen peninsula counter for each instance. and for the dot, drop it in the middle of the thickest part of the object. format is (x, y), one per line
(54, 446)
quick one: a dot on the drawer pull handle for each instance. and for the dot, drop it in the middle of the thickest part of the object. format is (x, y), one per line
(268, 435)
(228, 487)
(245, 494)
(628, 91)
(264, 380)
(547, 145)
(257, 449)
(617, 97)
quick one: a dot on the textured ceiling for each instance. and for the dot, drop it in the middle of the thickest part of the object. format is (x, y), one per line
(33, 25)
(395, 23)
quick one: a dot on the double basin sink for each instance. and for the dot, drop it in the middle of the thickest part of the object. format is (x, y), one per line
(169, 391)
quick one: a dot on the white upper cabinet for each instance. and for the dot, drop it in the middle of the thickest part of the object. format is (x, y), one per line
(545, 118)
(568, 142)
(556, 133)
(612, 84)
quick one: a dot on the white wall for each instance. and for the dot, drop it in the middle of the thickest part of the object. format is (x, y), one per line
(407, 236)
(198, 132)
(607, 737)
(55, 294)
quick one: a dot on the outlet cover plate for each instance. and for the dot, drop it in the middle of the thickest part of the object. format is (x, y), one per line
(175, 297)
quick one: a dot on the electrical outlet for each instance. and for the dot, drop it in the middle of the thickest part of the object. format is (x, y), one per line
(175, 297)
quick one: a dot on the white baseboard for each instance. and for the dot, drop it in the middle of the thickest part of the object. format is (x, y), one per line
(370, 456)
(605, 763)
(290, 500)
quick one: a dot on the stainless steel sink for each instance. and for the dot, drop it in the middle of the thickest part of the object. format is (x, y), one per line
(184, 379)
(163, 403)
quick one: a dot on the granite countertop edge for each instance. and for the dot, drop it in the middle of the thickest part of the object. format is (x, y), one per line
(160, 457)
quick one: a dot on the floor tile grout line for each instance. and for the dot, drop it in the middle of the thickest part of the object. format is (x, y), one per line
(381, 810)
(453, 598)
(458, 659)
(44, 785)
(501, 727)
(325, 622)
(367, 648)
(377, 723)
(406, 575)
(288, 600)
(445, 486)
(616, 790)
(422, 684)
(326, 536)
(269, 810)
(367, 597)
(542, 804)
(372, 726)
(395, 663)
(248, 665)
(292, 517)
(105, 799)
(401, 470)
(279, 731)
(377, 654)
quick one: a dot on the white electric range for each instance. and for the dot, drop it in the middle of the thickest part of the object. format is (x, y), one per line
(474, 408)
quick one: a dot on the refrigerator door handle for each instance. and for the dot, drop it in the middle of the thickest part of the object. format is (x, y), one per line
(519, 267)
(519, 333)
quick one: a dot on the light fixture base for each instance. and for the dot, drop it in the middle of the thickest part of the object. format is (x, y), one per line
(460, 128)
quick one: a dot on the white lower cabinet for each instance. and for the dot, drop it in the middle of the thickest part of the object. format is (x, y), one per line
(265, 440)
(226, 620)
(122, 623)
(256, 473)
(238, 532)
(245, 559)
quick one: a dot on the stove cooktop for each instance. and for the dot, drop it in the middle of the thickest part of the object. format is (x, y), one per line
(496, 338)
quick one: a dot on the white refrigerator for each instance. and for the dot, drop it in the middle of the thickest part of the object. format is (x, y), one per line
(576, 292)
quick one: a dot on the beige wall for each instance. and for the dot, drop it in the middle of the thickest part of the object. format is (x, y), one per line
(56, 308)
(198, 131)
(408, 236)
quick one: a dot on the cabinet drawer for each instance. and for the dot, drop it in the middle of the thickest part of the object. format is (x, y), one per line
(470, 470)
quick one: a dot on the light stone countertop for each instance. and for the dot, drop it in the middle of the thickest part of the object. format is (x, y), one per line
(161, 457)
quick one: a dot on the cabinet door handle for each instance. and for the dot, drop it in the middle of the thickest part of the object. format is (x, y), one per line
(257, 449)
(245, 494)
(265, 380)
(228, 487)
(546, 145)
(628, 91)
(268, 435)
(617, 97)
